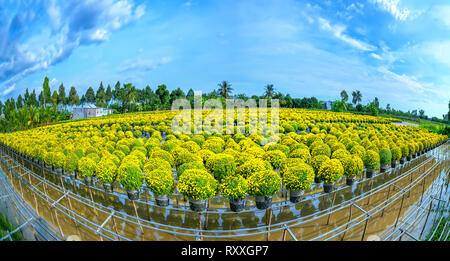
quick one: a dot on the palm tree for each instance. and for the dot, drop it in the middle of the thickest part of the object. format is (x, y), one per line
(269, 90)
(225, 89)
(357, 97)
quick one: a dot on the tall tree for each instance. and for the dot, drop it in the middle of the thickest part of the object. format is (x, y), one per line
(26, 98)
(176, 94)
(61, 96)
(54, 99)
(100, 97)
(73, 96)
(163, 94)
(46, 91)
(90, 95)
(225, 89)
(376, 102)
(20, 102)
(108, 94)
(269, 90)
(357, 97)
(344, 96)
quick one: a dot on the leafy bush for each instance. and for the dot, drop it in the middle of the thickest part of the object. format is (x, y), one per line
(264, 183)
(234, 187)
(340, 153)
(71, 162)
(86, 167)
(331, 171)
(353, 165)
(396, 153)
(275, 157)
(160, 181)
(405, 150)
(190, 165)
(301, 154)
(252, 166)
(322, 149)
(58, 159)
(385, 156)
(162, 154)
(317, 161)
(224, 166)
(130, 176)
(197, 184)
(106, 171)
(298, 177)
(371, 159)
(155, 163)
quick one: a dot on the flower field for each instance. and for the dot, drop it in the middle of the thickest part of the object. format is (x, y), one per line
(142, 149)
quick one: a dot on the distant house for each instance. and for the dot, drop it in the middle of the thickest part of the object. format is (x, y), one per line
(328, 105)
(90, 111)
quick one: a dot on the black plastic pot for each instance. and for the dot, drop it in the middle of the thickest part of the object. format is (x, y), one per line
(108, 187)
(327, 188)
(197, 205)
(263, 202)
(383, 168)
(162, 200)
(296, 196)
(393, 164)
(369, 173)
(237, 205)
(133, 194)
(408, 158)
(349, 181)
(317, 180)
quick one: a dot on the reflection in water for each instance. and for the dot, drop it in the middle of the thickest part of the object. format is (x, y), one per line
(221, 219)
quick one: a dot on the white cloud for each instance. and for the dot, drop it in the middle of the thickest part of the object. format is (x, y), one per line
(338, 32)
(392, 6)
(409, 82)
(9, 90)
(376, 56)
(143, 64)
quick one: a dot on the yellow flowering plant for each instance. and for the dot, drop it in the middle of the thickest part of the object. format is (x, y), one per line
(160, 181)
(234, 187)
(331, 171)
(197, 184)
(298, 177)
(264, 183)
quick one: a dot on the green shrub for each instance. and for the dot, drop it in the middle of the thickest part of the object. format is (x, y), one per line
(130, 176)
(358, 150)
(353, 165)
(251, 166)
(197, 184)
(275, 157)
(160, 181)
(371, 159)
(71, 162)
(106, 171)
(224, 166)
(137, 134)
(191, 146)
(264, 183)
(385, 156)
(301, 154)
(317, 161)
(58, 159)
(340, 153)
(86, 167)
(331, 171)
(396, 153)
(190, 165)
(162, 154)
(298, 177)
(405, 150)
(234, 187)
(322, 149)
(155, 163)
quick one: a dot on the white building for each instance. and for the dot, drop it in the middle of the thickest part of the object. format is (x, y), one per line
(90, 111)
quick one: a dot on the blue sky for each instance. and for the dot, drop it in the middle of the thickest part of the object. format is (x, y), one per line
(395, 50)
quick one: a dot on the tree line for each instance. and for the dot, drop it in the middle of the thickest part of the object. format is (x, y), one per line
(32, 110)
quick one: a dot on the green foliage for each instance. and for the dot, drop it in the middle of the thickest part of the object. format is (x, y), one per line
(86, 167)
(331, 171)
(71, 162)
(130, 176)
(396, 153)
(234, 187)
(197, 184)
(298, 177)
(224, 166)
(106, 171)
(275, 157)
(190, 165)
(371, 159)
(385, 156)
(301, 154)
(160, 181)
(264, 183)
